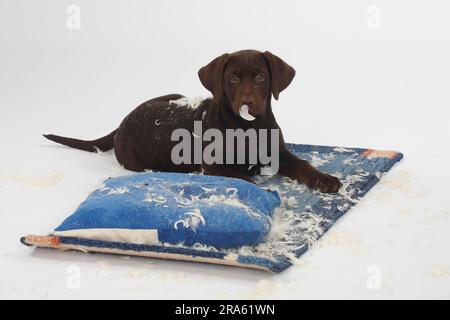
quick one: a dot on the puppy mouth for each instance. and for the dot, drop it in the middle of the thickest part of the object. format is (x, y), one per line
(245, 114)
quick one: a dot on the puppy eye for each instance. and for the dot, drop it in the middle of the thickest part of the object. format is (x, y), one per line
(260, 77)
(234, 78)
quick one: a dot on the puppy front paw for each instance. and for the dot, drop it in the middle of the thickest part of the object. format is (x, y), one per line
(323, 182)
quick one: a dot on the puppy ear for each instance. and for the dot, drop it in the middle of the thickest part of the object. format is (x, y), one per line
(281, 73)
(211, 76)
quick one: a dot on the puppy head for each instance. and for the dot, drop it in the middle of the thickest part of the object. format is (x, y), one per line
(246, 77)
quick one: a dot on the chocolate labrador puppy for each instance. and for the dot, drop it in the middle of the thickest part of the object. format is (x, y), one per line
(246, 78)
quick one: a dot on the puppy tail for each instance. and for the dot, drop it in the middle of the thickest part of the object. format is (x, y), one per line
(103, 144)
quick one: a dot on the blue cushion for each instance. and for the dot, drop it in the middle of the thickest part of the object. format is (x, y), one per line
(174, 208)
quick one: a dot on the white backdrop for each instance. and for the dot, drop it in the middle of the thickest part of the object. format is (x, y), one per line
(369, 74)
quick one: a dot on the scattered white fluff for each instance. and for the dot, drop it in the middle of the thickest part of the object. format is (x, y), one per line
(338, 175)
(342, 149)
(290, 202)
(230, 199)
(347, 191)
(344, 207)
(294, 184)
(267, 171)
(233, 191)
(312, 224)
(316, 161)
(348, 161)
(234, 202)
(209, 190)
(158, 122)
(116, 191)
(98, 151)
(231, 257)
(379, 174)
(329, 156)
(192, 103)
(204, 247)
(197, 246)
(290, 232)
(243, 112)
(326, 197)
(181, 200)
(159, 199)
(191, 219)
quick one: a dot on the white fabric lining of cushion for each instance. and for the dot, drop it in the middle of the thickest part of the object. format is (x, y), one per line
(138, 236)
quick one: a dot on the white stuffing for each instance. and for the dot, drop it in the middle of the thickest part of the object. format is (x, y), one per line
(243, 112)
(192, 103)
(116, 191)
(181, 200)
(233, 191)
(347, 191)
(316, 161)
(290, 232)
(267, 171)
(231, 199)
(379, 174)
(159, 199)
(342, 149)
(98, 151)
(209, 190)
(348, 161)
(204, 247)
(191, 219)
(290, 202)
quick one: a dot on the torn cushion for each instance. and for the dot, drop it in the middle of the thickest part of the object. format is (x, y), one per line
(173, 208)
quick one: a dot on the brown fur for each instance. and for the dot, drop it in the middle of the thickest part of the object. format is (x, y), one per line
(143, 139)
